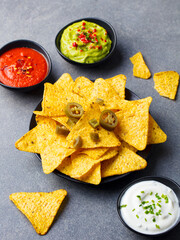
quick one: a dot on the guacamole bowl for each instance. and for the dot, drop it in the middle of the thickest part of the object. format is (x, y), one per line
(102, 47)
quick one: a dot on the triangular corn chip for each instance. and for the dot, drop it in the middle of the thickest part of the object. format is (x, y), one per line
(140, 68)
(166, 83)
(39, 207)
(118, 83)
(93, 176)
(133, 122)
(65, 82)
(125, 161)
(155, 134)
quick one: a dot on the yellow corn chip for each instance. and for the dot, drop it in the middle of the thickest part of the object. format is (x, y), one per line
(65, 82)
(126, 145)
(125, 161)
(118, 83)
(83, 87)
(39, 207)
(106, 92)
(140, 68)
(133, 122)
(37, 139)
(93, 176)
(155, 134)
(83, 129)
(166, 83)
(94, 153)
(54, 154)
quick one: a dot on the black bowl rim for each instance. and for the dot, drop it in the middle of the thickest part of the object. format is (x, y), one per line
(160, 179)
(113, 46)
(48, 59)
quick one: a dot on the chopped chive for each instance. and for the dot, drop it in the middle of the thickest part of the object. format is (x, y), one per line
(125, 205)
(153, 201)
(154, 220)
(157, 226)
(158, 213)
(133, 210)
(170, 213)
(137, 216)
(145, 219)
(151, 193)
(159, 205)
(138, 197)
(142, 191)
(146, 212)
(157, 196)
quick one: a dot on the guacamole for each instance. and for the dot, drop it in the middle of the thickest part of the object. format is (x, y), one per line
(85, 42)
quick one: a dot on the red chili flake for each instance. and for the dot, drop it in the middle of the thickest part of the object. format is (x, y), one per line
(100, 47)
(94, 35)
(81, 50)
(89, 31)
(96, 40)
(105, 40)
(83, 23)
(105, 33)
(79, 30)
(74, 44)
(94, 30)
(83, 28)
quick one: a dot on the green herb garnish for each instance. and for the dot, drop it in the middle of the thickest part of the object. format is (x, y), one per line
(125, 205)
(154, 220)
(145, 219)
(170, 213)
(142, 191)
(157, 226)
(133, 210)
(151, 193)
(159, 205)
(137, 216)
(157, 196)
(138, 196)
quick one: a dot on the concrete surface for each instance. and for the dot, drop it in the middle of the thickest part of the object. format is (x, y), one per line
(89, 213)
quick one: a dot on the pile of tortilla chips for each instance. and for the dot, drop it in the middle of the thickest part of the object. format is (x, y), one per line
(114, 153)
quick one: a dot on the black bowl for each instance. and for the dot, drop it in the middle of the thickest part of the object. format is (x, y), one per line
(166, 181)
(110, 30)
(35, 46)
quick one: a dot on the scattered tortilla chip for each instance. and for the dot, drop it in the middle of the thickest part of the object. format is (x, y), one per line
(39, 207)
(166, 83)
(54, 154)
(83, 87)
(93, 176)
(118, 83)
(106, 92)
(133, 122)
(38, 138)
(65, 82)
(140, 68)
(155, 134)
(125, 161)
(83, 129)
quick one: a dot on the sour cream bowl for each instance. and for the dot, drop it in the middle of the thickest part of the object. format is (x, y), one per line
(150, 206)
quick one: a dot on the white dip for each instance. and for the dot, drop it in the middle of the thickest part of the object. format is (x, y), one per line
(150, 207)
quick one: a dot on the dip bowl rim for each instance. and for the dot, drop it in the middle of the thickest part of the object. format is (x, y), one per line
(101, 22)
(164, 180)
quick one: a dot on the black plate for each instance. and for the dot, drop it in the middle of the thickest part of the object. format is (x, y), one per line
(166, 181)
(129, 96)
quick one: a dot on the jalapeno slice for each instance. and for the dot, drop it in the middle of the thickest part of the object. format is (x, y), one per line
(62, 130)
(94, 136)
(77, 143)
(108, 120)
(71, 122)
(74, 110)
(94, 123)
(100, 101)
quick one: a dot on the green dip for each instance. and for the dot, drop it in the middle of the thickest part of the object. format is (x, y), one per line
(85, 42)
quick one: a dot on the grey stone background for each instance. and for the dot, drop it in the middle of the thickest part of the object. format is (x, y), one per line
(152, 27)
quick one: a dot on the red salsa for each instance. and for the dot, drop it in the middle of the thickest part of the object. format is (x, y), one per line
(22, 67)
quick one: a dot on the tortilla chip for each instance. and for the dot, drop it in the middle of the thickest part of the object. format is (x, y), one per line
(133, 122)
(126, 161)
(93, 176)
(39, 207)
(140, 68)
(65, 82)
(126, 145)
(118, 83)
(83, 87)
(38, 138)
(55, 100)
(166, 83)
(155, 134)
(83, 129)
(95, 153)
(64, 121)
(54, 154)
(106, 92)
